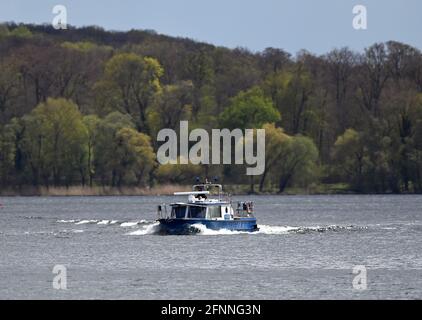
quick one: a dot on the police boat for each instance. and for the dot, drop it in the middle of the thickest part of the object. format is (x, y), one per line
(207, 205)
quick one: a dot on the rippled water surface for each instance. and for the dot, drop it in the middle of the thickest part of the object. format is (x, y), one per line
(306, 248)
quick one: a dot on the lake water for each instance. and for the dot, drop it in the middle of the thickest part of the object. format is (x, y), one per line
(306, 249)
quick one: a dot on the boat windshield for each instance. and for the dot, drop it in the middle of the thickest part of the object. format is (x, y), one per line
(214, 189)
(178, 212)
(214, 212)
(197, 212)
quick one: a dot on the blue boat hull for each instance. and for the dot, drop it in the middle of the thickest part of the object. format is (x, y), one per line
(186, 226)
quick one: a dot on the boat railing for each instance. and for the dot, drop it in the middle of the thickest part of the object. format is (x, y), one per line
(224, 197)
(162, 212)
(213, 189)
(244, 210)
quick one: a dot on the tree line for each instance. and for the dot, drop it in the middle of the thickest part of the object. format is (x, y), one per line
(83, 106)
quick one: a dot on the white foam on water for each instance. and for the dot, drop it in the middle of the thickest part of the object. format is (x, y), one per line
(274, 230)
(86, 221)
(132, 224)
(146, 230)
(263, 229)
(128, 224)
(67, 221)
(203, 230)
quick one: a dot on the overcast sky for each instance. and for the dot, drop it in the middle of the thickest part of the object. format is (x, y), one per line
(315, 25)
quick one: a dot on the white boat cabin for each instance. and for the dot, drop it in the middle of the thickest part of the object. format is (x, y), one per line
(210, 211)
(200, 206)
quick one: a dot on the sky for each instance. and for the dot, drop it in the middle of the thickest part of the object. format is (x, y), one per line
(315, 25)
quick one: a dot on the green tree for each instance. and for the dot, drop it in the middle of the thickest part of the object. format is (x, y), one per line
(170, 107)
(178, 173)
(136, 157)
(106, 159)
(416, 158)
(7, 154)
(351, 158)
(4, 31)
(9, 82)
(54, 142)
(277, 145)
(121, 154)
(200, 70)
(91, 123)
(299, 165)
(21, 32)
(290, 91)
(249, 110)
(129, 84)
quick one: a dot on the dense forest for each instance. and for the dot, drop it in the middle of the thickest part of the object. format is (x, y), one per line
(83, 106)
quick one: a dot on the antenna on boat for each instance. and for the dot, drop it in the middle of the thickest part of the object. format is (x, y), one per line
(193, 193)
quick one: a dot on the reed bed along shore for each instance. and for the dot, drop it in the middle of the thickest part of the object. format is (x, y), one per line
(93, 191)
(165, 189)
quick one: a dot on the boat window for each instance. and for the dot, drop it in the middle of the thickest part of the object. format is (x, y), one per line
(214, 212)
(197, 212)
(178, 212)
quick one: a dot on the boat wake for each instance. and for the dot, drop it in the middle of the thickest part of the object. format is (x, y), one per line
(200, 229)
(145, 227)
(149, 229)
(303, 230)
(125, 224)
(278, 230)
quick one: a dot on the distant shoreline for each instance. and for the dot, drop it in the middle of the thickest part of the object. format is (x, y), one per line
(162, 190)
(78, 191)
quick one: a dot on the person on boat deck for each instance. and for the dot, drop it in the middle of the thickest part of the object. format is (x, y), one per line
(247, 206)
(200, 196)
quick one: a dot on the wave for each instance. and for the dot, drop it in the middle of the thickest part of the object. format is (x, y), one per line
(133, 223)
(58, 233)
(203, 230)
(86, 221)
(318, 229)
(104, 222)
(276, 230)
(67, 221)
(200, 229)
(149, 229)
(107, 222)
(271, 230)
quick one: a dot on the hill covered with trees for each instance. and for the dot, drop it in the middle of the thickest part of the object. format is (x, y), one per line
(83, 106)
